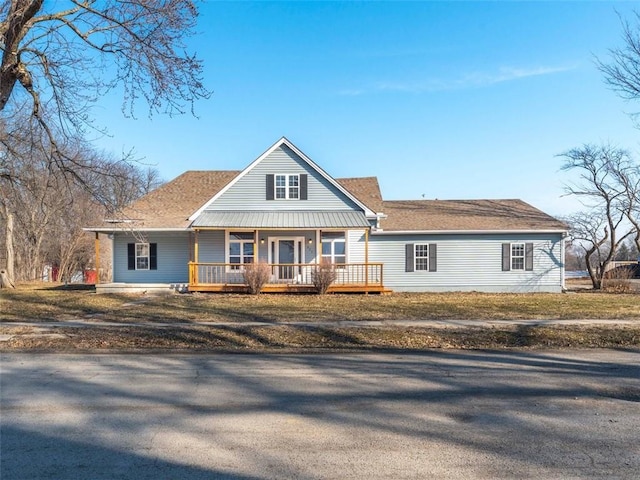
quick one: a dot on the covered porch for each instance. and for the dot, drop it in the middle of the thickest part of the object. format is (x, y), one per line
(294, 246)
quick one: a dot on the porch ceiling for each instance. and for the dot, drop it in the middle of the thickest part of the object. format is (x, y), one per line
(282, 219)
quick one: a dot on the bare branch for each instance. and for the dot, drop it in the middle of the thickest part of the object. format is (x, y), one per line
(63, 61)
(622, 73)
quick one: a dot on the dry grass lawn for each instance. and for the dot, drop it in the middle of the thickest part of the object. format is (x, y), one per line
(313, 316)
(43, 303)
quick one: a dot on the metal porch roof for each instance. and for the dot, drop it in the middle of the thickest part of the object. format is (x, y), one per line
(282, 219)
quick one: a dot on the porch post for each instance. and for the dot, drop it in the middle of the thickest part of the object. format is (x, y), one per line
(255, 246)
(97, 247)
(366, 257)
(195, 246)
(194, 280)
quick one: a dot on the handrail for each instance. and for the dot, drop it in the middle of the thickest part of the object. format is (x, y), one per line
(365, 274)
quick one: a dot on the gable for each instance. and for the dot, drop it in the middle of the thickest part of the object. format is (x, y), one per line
(251, 190)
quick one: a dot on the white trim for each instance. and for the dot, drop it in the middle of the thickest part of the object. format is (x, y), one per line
(415, 257)
(372, 231)
(132, 229)
(283, 141)
(147, 256)
(227, 241)
(299, 248)
(332, 241)
(287, 187)
(299, 245)
(461, 232)
(523, 256)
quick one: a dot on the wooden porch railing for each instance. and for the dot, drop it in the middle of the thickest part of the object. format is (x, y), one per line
(301, 274)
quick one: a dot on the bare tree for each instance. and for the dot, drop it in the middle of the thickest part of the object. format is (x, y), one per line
(50, 208)
(622, 70)
(627, 177)
(60, 57)
(589, 233)
(604, 225)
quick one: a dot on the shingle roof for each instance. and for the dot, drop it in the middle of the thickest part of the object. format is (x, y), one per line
(365, 189)
(469, 215)
(170, 205)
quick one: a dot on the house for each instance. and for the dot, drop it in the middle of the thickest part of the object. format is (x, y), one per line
(198, 231)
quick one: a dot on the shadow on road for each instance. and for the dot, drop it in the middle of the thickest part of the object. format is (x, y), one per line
(514, 407)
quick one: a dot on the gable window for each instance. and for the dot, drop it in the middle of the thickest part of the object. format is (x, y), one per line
(240, 249)
(517, 256)
(421, 257)
(142, 256)
(334, 248)
(287, 186)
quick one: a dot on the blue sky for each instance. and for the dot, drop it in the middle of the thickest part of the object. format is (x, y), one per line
(447, 100)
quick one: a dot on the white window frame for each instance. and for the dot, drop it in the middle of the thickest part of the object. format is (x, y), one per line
(291, 192)
(140, 256)
(423, 257)
(518, 261)
(242, 242)
(332, 255)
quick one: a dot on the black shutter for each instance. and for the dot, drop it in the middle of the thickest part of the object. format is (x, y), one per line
(131, 256)
(409, 263)
(270, 187)
(153, 256)
(303, 186)
(528, 256)
(433, 257)
(506, 257)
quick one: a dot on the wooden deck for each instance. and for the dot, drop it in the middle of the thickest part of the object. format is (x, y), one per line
(286, 278)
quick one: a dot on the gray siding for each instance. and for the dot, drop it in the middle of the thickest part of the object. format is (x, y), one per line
(173, 257)
(470, 263)
(249, 193)
(211, 246)
(356, 247)
(465, 262)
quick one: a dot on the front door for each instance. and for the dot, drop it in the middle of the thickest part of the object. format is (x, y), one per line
(286, 253)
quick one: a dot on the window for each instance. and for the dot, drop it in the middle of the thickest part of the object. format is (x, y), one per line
(142, 256)
(287, 186)
(334, 248)
(517, 256)
(421, 257)
(240, 248)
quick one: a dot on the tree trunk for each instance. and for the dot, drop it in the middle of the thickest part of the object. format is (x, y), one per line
(9, 247)
(5, 280)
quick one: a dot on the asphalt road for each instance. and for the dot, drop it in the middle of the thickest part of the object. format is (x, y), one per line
(441, 414)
